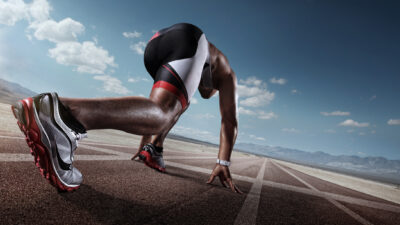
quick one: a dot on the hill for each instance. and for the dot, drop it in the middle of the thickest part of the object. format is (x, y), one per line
(11, 92)
(375, 168)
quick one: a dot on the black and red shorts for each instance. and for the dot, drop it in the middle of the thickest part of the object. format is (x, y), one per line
(177, 58)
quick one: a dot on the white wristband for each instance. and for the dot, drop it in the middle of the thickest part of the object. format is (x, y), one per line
(223, 162)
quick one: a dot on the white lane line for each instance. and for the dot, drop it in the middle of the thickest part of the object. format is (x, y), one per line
(11, 137)
(11, 157)
(338, 197)
(104, 150)
(334, 202)
(15, 157)
(91, 143)
(287, 187)
(249, 211)
(105, 144)
(129, 156)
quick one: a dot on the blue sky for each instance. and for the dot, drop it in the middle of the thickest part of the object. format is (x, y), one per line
(312, 75)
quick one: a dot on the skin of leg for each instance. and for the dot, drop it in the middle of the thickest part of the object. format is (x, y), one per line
(135, 115)
(158, 139)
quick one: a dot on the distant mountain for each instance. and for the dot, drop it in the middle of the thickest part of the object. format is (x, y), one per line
(377, 168)
(11, 92)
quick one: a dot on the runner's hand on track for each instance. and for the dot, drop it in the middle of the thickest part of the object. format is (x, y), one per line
(224, 176)
(136, 154)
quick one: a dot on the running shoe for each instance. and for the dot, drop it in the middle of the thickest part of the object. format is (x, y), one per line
(152, 158)
(52, 134)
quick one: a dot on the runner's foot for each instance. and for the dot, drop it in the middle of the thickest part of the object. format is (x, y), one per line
(152, 158)
(52, 134)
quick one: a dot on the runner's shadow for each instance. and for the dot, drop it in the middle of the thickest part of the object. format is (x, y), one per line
(109, 209)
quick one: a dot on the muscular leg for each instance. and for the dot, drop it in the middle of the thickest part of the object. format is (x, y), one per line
(136, 115)
(159, 139)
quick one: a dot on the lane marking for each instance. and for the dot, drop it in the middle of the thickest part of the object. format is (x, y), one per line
(248, 213)
(104, 150)
(91, 143)
(338, 197)
(11, 137)
(334, 202)
(15, 157)
(302, 190)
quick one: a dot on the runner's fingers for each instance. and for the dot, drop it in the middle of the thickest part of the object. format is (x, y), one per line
(231, 185)
(221, 178)
(211, 179)
(238, 190)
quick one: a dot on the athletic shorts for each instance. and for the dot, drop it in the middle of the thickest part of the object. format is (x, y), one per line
(177, 58)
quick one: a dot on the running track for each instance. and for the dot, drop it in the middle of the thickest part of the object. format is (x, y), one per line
(117, 190)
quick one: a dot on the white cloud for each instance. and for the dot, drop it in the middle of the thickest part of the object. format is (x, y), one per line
(12, 11)
(137, 79)
(254, 93)
(86, 56)
(259, 114)
(280, 81)
(39, 10)
(266, 116)
(246, 111)
(194, 101)
(393, 122)
(373, 97)
(258, 100)
(112, 84)
(335, 113)
(66, 30)
(352, 123)
(290, 130)
(350, 131)
(139, 47)
(251, 81)
(133, 34)
(362, 133)
(256, 138)
(295, 91)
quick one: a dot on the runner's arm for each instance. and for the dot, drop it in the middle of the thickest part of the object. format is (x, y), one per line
(229, 124)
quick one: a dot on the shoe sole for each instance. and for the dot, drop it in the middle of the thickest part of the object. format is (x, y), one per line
(23, 112)
(146, 158)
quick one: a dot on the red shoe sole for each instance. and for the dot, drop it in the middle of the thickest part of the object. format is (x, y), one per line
(146, 158)
(40, 153)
